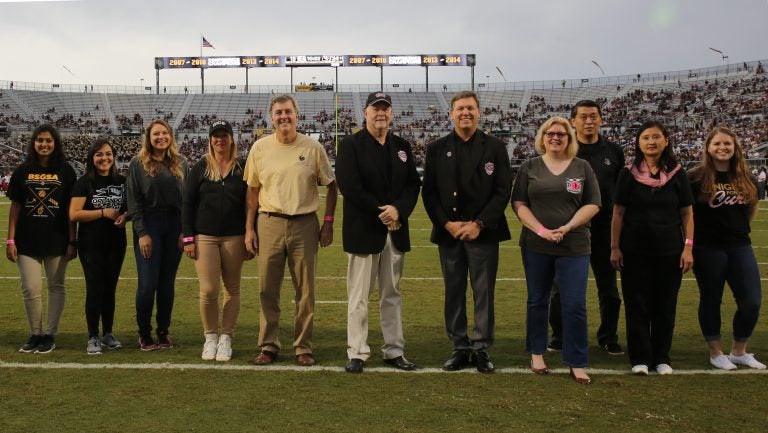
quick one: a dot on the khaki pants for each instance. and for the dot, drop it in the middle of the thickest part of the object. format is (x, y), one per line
(30, 269)
(293, 241)
(362, 272)
(219, 259)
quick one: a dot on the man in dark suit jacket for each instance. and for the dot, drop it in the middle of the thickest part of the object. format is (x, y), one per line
(467, 183)
(377, 175)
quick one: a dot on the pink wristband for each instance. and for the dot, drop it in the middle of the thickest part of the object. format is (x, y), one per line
(689, 242)
(328, 218)
(541, 231)
(188, 239)
(10, 242)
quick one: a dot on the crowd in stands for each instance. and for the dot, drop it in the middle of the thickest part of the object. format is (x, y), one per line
(688, 111)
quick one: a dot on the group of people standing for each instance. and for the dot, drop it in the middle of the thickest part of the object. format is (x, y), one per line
(577, 202)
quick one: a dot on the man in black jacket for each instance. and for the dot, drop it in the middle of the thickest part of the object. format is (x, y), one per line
(467, 182)
(377, 176)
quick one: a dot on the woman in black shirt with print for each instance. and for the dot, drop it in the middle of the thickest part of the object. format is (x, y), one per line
(98, 204)
(726, 203)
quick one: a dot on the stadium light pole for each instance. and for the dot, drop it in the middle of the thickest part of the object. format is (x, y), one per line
(723, 55)
(142, 85)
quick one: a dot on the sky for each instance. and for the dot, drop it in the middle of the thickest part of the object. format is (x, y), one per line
(115, 42)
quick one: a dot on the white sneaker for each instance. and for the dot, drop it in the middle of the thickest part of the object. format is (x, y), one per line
(747, 359)
(224, 349)
(664, 369)
(640, 370)
(722, 362)
(209, 348)
(94, 346)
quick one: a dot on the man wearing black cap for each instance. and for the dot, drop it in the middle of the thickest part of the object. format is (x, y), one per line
(467, 183)
(377, 175)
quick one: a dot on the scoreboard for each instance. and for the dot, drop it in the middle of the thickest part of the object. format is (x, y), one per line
(315, 60)
(219, 62)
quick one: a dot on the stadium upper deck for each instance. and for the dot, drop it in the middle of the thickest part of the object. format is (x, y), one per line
(689, 101)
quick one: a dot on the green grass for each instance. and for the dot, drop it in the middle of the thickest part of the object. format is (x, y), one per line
(148, 400)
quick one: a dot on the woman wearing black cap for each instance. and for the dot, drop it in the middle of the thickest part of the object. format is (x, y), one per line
(213, 225)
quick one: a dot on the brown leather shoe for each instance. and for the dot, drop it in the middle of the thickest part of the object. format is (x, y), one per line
(305, 360)
(266, 357)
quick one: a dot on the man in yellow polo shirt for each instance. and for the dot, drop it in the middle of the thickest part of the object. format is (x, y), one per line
(283, 171)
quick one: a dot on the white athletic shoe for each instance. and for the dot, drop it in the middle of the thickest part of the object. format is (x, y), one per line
(640, 370)
(747, 359)
(209, 348)
(664, 369)
(224, 350)
(722, 362)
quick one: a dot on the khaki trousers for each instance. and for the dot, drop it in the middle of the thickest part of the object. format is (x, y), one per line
(292, 241)
(219, 259)
(362, 272)
(30, 269)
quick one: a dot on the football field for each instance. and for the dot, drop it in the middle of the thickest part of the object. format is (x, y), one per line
(127, 390)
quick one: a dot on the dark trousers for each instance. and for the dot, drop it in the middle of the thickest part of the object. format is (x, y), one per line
(481, 261)
(714, 267)
(607, 290)
(650, 285)
(571, 274)
(157, 274)
(101, 267)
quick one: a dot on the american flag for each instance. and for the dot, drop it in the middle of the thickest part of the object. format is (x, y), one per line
(207, 44)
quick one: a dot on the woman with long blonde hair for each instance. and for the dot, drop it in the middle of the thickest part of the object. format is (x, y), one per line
(213, 223)
(726, 203)
(154, 195)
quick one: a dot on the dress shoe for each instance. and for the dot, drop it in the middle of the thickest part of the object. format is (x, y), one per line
(266, 357)
(458, 360)
(305, 360)
(483, 362)
(544, 370)
(354, 365)
(581, 380)
(401, 363)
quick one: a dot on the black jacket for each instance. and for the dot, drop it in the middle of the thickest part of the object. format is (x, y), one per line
(363, 182)
(491, 184)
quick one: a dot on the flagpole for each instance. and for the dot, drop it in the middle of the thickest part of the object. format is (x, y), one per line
(202, 70)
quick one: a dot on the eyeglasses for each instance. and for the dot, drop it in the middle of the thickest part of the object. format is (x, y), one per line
(555, 134)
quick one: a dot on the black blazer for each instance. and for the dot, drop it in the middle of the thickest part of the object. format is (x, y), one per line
(491, 183)
(363, 182)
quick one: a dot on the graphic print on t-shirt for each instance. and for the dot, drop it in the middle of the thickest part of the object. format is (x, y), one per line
(109, 197)
(41, 202)
(725, 195)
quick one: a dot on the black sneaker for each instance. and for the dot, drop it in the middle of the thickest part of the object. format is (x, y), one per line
(146, 343)
(46, 344)
(31, 344)
(555, 346)
(164, 340)
(612, 349)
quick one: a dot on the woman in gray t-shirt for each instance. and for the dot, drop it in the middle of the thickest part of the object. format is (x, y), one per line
(554, 196)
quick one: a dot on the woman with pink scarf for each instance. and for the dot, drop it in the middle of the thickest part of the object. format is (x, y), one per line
(651, 244)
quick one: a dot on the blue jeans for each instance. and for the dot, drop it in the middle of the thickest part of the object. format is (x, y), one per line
(570, 273)
(157, 274)
(714, 267)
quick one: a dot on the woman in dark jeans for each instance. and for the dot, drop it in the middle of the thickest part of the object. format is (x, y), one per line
(98, 205)
(726, 204)
(155, 178)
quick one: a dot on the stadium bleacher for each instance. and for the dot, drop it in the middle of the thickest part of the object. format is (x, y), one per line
(689, 102)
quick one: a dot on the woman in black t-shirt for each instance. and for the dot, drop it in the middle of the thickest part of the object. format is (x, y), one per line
(726, 203)
(40, 234)
(98, 204)
(652, 215)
